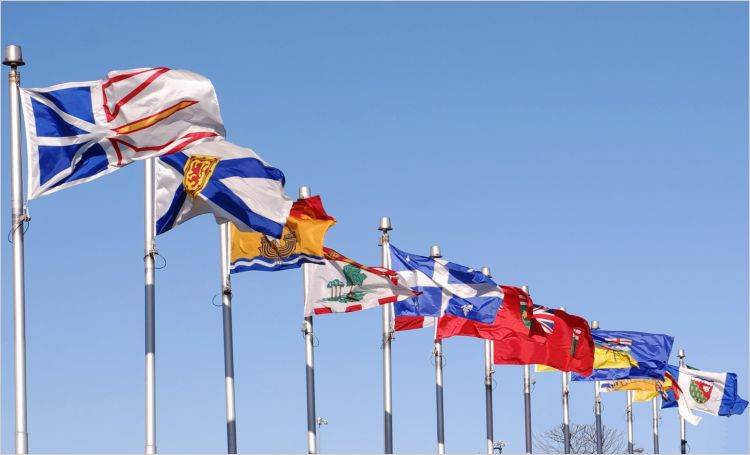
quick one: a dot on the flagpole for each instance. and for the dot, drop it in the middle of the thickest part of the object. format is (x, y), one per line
(566, 408)
(598, 407)
(307, 330)
(527, 396)
(385, 226)
(438, 353)
(226, 305)
(148, 259)
(488, 382)
(14, 59)
(629, 413)
(655, 422)
(683, 432)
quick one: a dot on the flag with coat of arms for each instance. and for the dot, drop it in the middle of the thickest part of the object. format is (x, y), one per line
(232, 183)
(79, 131)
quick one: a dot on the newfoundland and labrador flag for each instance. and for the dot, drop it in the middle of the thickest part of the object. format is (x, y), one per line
(79, 131)
(230, 182)
(341, 285)
(445, 288)
(628, 355)
(301, 241)
(705, 391)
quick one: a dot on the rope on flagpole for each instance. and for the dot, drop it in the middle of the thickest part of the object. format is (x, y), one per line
(23, 220)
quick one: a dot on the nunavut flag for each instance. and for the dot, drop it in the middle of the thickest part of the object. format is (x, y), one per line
(301, 241)
(79, 131)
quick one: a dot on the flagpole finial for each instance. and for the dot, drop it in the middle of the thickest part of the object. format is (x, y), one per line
(562, 308)
(304, 192)
(681, 353)
(486, 272)
(595, 324)
(525, 289)
(13, 56)
(435, 251)
(385, 224)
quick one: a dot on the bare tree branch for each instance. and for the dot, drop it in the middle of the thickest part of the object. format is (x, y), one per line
(582, 439)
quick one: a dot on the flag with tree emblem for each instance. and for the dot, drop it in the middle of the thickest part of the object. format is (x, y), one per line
(705, 391)
(341, 285)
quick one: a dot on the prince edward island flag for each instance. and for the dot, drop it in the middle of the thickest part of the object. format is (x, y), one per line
(79, 131)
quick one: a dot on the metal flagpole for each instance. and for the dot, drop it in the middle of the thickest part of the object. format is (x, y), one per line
(683, 432)
(598, 407)
(438, 353)
(307, 330)
(488, 382)
(14, 59)
(566, 408)
(385, 226)
(629, 413)
(226, 305)
(148, 258)
(527, 396)
(655, 422)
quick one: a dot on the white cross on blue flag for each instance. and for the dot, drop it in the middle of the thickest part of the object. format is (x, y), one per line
(446, 288)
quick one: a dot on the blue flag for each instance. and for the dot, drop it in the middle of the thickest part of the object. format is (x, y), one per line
(628, 355)
(712, 393)
(446, 288)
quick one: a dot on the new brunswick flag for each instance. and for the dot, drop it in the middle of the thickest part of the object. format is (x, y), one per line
(301, 241)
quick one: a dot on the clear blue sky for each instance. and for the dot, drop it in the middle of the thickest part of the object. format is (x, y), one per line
(596, 152)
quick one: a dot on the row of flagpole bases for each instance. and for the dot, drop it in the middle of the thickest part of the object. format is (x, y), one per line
(13, 59)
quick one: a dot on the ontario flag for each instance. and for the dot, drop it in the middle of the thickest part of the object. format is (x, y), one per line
(79, 131)
(341, 285)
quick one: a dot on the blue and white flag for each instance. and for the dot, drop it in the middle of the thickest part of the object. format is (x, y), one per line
(80, 131)
(446, 288)
(705, 391)
(221, 178)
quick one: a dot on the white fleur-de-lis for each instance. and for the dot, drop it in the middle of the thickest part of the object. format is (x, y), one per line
(467, 308)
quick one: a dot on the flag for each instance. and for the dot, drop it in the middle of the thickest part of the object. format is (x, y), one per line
(712, 393)
(628, 355)
(543, 336)
(80, 131)
(643, 389)
(445, 288)
(341, 285)
(221, 178)
(301, 241)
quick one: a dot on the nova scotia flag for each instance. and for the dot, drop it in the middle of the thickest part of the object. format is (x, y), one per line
(446, 288)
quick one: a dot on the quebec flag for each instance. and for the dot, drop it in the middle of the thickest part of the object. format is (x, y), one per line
(218, 177)
(80, 131)
(446, 288)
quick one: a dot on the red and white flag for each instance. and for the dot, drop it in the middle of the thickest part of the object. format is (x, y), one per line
(341, 285)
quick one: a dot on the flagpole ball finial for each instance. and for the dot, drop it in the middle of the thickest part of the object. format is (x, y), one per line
(13, 56)
(385, 224)
(486, 272)
(595, 324)
(525, 289)
(562, 308)
(304, 192)
(681, 353)
(435, 251)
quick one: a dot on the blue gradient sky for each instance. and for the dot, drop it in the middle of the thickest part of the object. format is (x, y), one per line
(596, 152)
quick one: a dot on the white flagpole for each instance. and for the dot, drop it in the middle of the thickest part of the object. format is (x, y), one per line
(629, 414)
(438, 353)
(598, 406)
(527, 396)
(655, 422)
(226, 305)
(14, 59)
(566, 408)
(683, 430)
(148, 258)
(488, 382)
(307, 330)
(385, 226)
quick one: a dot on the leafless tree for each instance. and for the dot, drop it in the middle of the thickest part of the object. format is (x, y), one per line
(582, 439)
